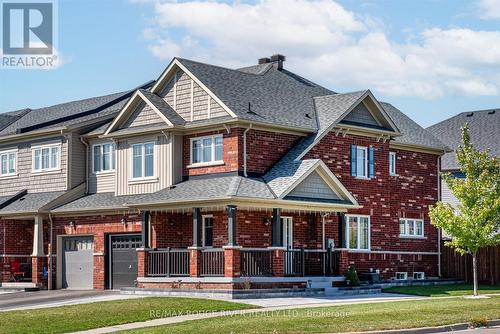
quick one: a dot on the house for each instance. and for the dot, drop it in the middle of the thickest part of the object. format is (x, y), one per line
(209, 176)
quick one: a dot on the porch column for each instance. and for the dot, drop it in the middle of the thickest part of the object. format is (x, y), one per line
(145, 224)
(197, 227)
(142, 262)
(232, 252)
(278, 262)
(195, 249)
(231, 225)
(38, 237)
(277, 239)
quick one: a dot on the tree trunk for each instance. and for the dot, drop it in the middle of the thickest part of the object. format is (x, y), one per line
(474, 271)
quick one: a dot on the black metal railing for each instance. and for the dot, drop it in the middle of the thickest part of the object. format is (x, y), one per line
(212, 262)
(256, 262)
(310, 262)
(168, 262)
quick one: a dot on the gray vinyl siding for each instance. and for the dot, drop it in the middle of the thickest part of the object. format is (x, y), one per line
(361, 114)
(447, 196)
(101, 182)
(77, 157)
(142, 115)
(189, 99)
(124, 183)
(313, 186)
(35, 182)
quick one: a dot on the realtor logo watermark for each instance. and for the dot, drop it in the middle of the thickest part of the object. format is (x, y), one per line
(29, 34)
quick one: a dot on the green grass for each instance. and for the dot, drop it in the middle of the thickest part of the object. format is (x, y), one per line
(345, 318)
(86, 316)
(442, 290)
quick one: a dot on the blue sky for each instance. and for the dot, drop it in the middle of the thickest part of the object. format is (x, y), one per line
(431, 59)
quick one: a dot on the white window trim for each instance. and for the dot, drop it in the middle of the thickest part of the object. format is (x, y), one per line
(203, 217)
(45, 170)
(208, 163)
(346, 232)
(419, 272)
(143, 178)
(364, 148)
(411, 236)
(112, 170)
(405, 274)
(8, 174)
(393, 156)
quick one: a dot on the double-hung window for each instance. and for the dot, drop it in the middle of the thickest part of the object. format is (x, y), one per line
(143, 159)
(206, 150)
(362, 161)
(357, 232)
(411, 227)
(46, 158)
(392, 163)
(208, 231)
(8, 165)
(104, 156)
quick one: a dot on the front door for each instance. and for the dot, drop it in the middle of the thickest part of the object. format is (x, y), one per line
(290, 256)
(123, 260)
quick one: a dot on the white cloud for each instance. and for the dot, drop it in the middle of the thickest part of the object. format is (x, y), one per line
(327, 43)
(489, 9)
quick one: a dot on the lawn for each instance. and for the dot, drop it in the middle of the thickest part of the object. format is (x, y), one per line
(442, 290)
(346, 318)
(86, 316)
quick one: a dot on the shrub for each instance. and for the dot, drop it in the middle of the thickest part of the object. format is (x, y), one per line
(352, 276)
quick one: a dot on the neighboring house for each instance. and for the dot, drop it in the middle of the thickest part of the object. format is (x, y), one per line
(484, 127)
(211, 171)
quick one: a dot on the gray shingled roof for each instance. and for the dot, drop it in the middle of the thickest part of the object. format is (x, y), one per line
(99, 201)
(484, 127)
(138, 129)
(8, 118)
(286, 173)
(275, 97)
(30, 202)
(163, 107)
(412, 133)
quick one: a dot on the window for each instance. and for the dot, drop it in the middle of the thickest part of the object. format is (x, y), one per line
(401, 275)
(208, 231)
(419, 275)
(143, 160)
(362, 161)
(206, 150)
(104, 157)
(358, 232)
(392, 163)
(8, 164)
(411, 228)
(46, 158)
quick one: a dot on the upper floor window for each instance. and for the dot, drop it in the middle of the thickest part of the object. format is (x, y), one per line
(206, 150)
(46, 158)
(362, 161)
(392, 163)
(143, 158)
(8, 164)
(411, 227)
(357, 232)
(104, 156)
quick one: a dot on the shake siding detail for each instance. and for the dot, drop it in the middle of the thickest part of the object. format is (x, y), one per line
(142, 115)
(36, 182)
(101, 182)
(189, 99)
(313, 186)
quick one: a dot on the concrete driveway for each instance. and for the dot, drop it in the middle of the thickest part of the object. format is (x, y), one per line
(39, 299)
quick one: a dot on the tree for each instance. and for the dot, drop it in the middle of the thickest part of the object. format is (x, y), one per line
(475, 222)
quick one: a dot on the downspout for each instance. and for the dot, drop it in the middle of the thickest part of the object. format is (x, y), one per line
(49, 281)
(87, 171)
(245, 150)
(323, 223)
(439, 199)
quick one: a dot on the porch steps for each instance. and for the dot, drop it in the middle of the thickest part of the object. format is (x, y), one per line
(326, 283)
(18, 287)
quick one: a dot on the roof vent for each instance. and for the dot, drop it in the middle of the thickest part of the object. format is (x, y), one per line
(491, 112)
(264, 60)
(277, 61)
(470, 114)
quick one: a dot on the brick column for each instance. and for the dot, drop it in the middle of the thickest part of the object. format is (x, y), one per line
(99, 265)
(37, 271)
(194, 261)
(232, 261)
(142, 262)
(343, 261)
(278, 262)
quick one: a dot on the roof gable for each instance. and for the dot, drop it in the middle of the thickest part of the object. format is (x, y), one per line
(313, 186)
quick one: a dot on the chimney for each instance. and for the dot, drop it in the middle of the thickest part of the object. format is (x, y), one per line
(264, 60)
(277, 61)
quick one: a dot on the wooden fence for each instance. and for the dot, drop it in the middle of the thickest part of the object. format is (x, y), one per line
(454, 265)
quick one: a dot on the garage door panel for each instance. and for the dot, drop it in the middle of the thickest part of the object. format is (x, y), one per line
(124, 260)
(78, 263)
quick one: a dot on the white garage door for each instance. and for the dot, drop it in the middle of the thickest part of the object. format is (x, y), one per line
(78, 263)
